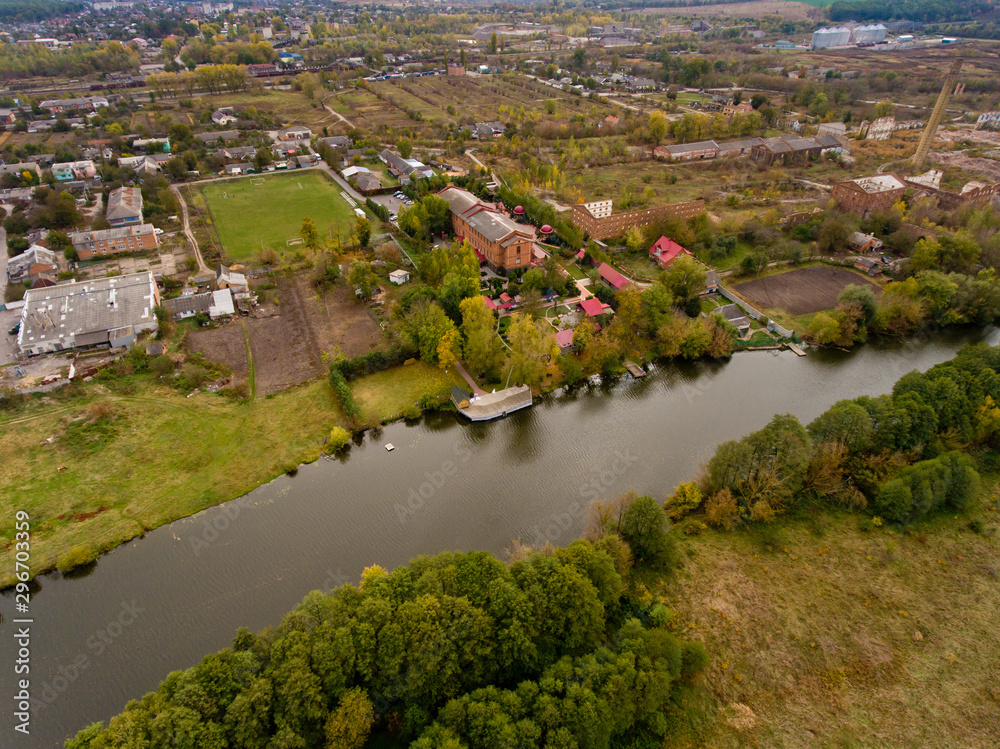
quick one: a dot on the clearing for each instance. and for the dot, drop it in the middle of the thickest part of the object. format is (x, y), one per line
(802, 291)
(789, 11)
(830, 632)
(287, 340)
(251, 213)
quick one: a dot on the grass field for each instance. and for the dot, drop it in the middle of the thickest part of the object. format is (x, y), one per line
(829, 632)
(104, 463)
(248, 215)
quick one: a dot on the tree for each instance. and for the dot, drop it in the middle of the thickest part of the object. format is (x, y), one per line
(405, 147)
(351, 722)
(482, 351)
(448, 349)
(463, 59)
(362, 278)
(864, 296)
(491, 48)
(685, 281)
(657, 125)
(363, 231)
(532, 344)
(309, 233)
(437, 212)
(426, 324)
(833, 233)
(645, 527)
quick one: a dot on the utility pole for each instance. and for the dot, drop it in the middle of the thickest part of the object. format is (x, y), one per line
(935, 119)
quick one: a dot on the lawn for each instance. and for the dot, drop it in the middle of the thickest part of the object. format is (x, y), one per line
(108, 463)
(249, 216)
(383, 396)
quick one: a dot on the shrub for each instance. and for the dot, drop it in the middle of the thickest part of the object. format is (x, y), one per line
(78, 556)
(161, 365)
(191, 377)
(339, 437)
(343, 392)
(694, 659)
(411, 412)
(686, 498)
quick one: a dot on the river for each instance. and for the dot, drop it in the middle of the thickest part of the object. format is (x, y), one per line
(162, 602)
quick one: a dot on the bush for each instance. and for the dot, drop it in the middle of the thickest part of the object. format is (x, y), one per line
(411, 412)
(694, 659)
(161, 365)
(339, 437)
(191, 377)
(78, 556)
(343, 392)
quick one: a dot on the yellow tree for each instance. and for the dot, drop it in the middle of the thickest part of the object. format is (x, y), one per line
(350, 724)
(446, 350)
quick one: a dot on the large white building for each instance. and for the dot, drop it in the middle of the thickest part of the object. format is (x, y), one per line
(869, 34)
(102, 312)
(838, 36)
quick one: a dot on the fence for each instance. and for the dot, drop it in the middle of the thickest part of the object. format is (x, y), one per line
(755, 313)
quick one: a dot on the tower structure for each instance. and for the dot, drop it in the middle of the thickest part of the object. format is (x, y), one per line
(927, 138)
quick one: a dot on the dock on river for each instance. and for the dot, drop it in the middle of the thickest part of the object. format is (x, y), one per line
(634, 369)
(795, 349)
(491, 405)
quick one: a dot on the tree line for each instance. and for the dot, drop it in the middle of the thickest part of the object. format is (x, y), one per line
(899, 456)
(559, 648)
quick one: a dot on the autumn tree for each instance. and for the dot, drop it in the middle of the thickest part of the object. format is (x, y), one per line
(483, 349)
(309, 233)
(533, 345)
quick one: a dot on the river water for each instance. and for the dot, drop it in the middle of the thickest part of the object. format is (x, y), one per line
(160, 603)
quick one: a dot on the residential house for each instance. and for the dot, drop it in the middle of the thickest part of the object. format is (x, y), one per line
(222, 304)
(295, 132)
(498, 240)
(36, 259)
(593, 307)
(90, 244)
(664, 251)
(234, 170)
(219, 135)
(124, 207)
(612, 278)
(337, 142)
(737, 317)
(564, 340)
(20, 168)
(65, 171)
(239, 153)
(404, 170)
(152, 145)
(226, 278)
(367, 183)
(861, 242)
(866, 194)
(55, 106)
(7, 116)
(733, 109)
(487, 130)
(188, 306)
(224, 116)
(101, 312)
(868, 265)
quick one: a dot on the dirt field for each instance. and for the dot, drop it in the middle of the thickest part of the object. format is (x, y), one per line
(287, 340)
(790, 11)
(802, 291)
(224, 345)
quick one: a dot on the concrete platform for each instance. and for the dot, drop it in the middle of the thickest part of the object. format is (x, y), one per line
(496, 405)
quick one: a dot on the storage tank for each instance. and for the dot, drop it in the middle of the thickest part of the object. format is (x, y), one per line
(843, 36)
(823, 38)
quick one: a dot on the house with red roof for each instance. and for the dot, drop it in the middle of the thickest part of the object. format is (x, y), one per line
(664, 251)
(612, 278)
(490, 304)
(594, 308)
(564, 339)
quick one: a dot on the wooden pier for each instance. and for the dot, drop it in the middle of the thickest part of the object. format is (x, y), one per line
(634, 369)
(491, 405)
(795, 349)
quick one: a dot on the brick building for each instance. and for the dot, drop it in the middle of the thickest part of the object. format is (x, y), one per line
(599, 222)
(499, 241)
(89, 244)
(867, 194)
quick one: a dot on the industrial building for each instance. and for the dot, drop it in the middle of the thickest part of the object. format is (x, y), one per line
(102, 312)
(839, 36)
(870, 34)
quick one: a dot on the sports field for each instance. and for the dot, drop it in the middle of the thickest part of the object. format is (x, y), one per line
(251, 213)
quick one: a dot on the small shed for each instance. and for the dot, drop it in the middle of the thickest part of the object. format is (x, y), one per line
(399, 276)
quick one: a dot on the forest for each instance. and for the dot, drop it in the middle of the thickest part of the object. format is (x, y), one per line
(927, 11)
(898, 457)
(559, 648)
(23, 11)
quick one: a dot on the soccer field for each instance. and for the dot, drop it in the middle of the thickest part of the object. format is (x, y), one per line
(267, 211)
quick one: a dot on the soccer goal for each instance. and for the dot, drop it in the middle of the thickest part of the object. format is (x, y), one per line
(294, 241)
(256, 180)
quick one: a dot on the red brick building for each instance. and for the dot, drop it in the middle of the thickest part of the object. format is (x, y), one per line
(502, 243)
(862, 196)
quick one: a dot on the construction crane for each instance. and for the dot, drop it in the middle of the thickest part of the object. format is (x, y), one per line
(935, 119)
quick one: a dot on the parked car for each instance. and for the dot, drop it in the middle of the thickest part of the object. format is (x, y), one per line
(157, 231)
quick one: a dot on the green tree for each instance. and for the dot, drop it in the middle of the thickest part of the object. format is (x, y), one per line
(426, 324)
(684, 280)
(491, 48)
(483, 350)
(646, 529)
(405, 147)
(362, 277)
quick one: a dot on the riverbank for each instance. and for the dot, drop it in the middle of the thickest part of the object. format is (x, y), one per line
(98, 464)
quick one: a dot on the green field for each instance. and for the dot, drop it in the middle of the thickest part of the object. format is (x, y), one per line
(250, 216)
